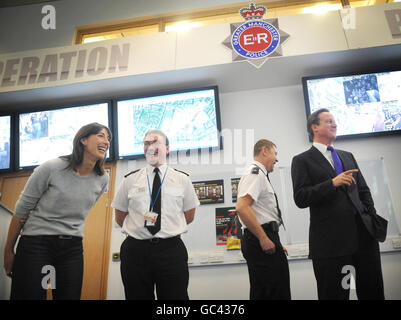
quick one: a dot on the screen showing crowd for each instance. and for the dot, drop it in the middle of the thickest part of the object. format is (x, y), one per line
(49, 134)
(365, 103)
(5, 131)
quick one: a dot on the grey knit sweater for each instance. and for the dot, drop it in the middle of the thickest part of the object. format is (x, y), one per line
(59, 199)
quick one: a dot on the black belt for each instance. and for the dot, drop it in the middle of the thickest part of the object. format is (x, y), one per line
(60, 236)
(272, 226)
(156, 240)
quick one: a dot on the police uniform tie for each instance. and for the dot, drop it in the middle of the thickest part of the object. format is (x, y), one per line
(278, 207)
(157, 198)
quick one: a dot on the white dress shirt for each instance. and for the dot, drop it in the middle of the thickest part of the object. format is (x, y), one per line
(261, 191)
(326, 153)
(177, 196)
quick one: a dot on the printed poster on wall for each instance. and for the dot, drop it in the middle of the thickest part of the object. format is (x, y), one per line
(228, 226)
(234, 188)
(211, 191)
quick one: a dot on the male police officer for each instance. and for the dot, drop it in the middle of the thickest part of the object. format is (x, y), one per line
(258, 210)
(154, 205)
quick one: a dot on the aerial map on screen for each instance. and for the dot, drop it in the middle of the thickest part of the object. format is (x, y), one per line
(188, 119)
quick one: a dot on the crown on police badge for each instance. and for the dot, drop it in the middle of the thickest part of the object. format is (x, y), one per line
(253, 12)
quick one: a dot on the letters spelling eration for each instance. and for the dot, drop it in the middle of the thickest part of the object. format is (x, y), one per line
(65, 65)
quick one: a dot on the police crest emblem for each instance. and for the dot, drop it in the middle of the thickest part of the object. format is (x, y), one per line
(256, 39)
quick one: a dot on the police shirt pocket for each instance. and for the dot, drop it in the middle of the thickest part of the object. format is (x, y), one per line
(268, 197)
(174, 196)
(269, 188)
(138, 199)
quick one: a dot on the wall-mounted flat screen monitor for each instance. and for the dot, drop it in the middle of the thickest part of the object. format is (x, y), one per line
(48, 134)
(189, 118)
(5, 143)
(363, 104)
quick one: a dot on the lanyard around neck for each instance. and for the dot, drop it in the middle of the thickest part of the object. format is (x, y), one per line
(152, 202)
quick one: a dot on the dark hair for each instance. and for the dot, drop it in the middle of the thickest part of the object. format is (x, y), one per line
(260, 144)
(75, 159)
(314, 119)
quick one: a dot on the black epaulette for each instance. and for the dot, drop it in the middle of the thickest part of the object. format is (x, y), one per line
(182, 172)
(255, 170)
(128, 174)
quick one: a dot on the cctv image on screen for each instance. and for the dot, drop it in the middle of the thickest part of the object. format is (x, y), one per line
(5, 142)
(365, 103)
(188, 119)
(49, 134)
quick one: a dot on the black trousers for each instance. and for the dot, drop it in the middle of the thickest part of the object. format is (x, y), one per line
(147, 265)
(333, 274)
(269, 275)
(42, 258)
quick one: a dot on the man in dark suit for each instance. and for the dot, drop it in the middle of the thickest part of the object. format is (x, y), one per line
(329, 182)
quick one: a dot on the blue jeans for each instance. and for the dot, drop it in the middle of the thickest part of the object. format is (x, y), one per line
(40, 258)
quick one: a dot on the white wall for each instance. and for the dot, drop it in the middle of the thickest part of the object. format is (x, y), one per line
(277, 114)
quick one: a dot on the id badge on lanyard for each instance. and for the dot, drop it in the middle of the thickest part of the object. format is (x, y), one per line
(150, 216)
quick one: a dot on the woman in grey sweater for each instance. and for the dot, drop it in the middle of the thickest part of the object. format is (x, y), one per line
(54, 203)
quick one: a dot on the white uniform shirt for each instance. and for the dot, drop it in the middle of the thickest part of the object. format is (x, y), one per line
(177, 196)
(261, 191)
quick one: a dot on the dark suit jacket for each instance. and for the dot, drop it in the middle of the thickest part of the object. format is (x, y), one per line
(332, 230)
